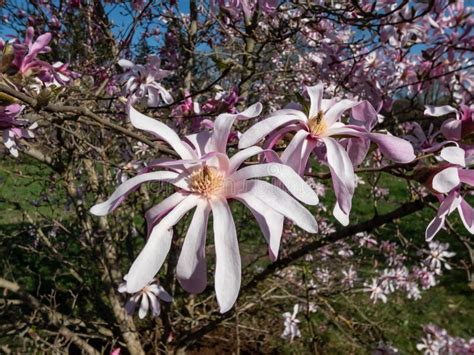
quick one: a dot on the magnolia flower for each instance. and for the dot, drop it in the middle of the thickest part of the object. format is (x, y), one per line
(143, 80)
(317, 132)
(150, 294)
(447, 185)
(376, 291)
(350, 276)
(26, 53)
(455, 128)
(429, 346)
(437, 256)
(206, 179)
(13, 128)
(291, 330)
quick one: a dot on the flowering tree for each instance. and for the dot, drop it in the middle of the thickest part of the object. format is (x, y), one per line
(339, 131)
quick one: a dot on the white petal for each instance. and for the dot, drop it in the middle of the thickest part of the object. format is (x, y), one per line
(241, 156)
(454, 155)
(315, 95)
(439, 111)
(191, 270)
(446, 180)
(334, 113)
(144, 306)
(124, 189)
(161, 130)
(228, 264)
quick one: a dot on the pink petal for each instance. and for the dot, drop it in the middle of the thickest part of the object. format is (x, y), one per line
(365, 114)
(466, 176)
(433, 228)
(161, 130)
(200, 141)
(452, 129)
(191, 270)
(124, 189)
(228, 265)
(446, 180)
(292, 155)
(467, 215)
(449, 204)
(154, 214)
(393, 148)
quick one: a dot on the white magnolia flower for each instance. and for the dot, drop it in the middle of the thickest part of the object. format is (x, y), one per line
(150, 294)
(291, 330)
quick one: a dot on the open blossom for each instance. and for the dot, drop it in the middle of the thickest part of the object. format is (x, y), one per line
(143, 81)
(437, 256)
(447, 185)
(349, 276)
(206, 178)
(317, 132)
(13, 128)
(148, 295)
(290, 323)
(26, 53)
(376, 291)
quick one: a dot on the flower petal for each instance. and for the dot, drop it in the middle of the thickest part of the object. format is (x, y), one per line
(433, 228)
(439, 111)
(466, 213)
(241, 156)
(124, 189)
(394, 148)
(154, 214)
(228, 264)
(191, 270)
(454, 155)
(161, 130)
(292, 155)
(282, 203)
(334, 113)
(315, 95)
(288, 177)
(446, 180)
(152, 256)
(466, 176)
(261, 129)
(144, 306)
(270, 222)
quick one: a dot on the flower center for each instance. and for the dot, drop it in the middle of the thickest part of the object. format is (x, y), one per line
(317, 124)
(206, 181)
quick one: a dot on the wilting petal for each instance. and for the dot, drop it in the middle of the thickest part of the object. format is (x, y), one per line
(117, 197)
(433, 228)
(315, 95)
(152, 256)
(228, 265)
(467, 215)
(439, 111)
(241, 156)
(261, 129)
(334, 113)
(161, 130)
(446, 180)
(393, 148)
(282, 203)
(191, 270)
(270, 222)
(156, 212)
(144, 306)
(454, 155)
(289, 178)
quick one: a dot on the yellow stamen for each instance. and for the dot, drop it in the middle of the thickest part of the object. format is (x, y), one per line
(206, 181)
(317, 124)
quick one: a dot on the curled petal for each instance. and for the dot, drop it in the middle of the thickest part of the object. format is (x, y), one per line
(446, 180)
(454, 155)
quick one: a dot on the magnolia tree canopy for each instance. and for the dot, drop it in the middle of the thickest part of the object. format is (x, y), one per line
(166, 138)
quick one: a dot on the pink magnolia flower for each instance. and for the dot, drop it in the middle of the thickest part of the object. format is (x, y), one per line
(12, 128)
(148, 295)
(376, 291)
(206, 178)
(317, 132)
(26, 53)
(437, 256)
(142, 81)
(291, 330)
(454, 128)
(447, 185)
